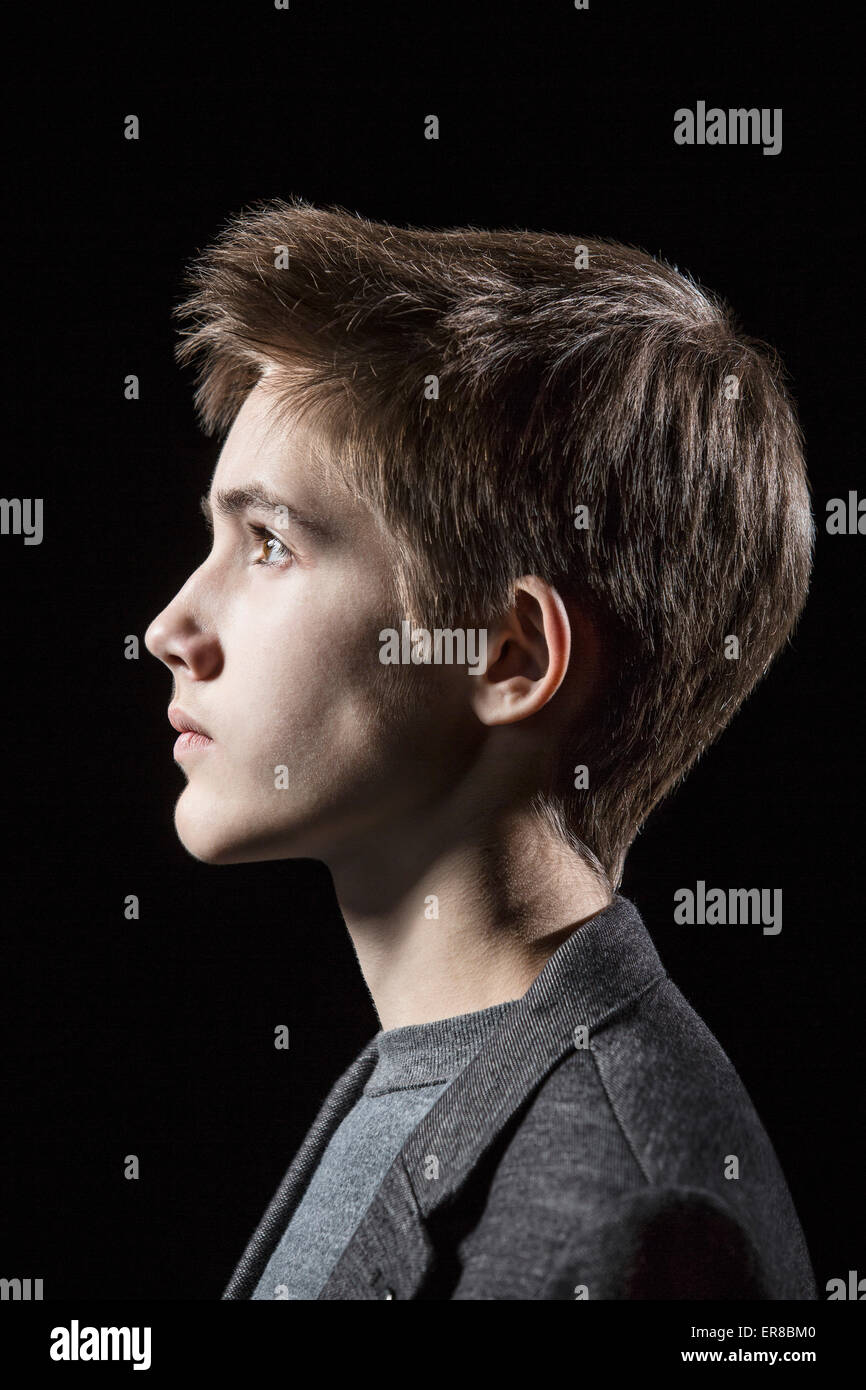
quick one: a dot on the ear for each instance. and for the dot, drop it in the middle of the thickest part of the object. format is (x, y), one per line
(528, 654)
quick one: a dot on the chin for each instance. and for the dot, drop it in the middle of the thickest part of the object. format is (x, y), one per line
(205, 838)
(212, 842)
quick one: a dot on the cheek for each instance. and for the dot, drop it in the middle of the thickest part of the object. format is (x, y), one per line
(306, 678)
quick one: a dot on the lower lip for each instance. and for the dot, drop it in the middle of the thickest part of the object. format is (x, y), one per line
(189, 741)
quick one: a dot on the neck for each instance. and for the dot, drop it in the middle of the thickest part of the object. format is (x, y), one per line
(445, 928)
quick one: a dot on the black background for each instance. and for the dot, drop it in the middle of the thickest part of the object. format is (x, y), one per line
(155, 1037)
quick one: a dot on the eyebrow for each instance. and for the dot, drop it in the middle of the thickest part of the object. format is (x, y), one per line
(235, 501)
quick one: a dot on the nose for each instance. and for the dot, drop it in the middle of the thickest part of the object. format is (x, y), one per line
(179, 638)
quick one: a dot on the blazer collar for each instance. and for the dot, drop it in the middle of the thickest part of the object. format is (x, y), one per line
(597, 972)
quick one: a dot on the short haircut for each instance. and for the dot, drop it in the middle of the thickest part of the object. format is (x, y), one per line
(478, 387)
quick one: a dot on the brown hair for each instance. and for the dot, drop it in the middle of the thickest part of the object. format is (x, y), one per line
(602, 378)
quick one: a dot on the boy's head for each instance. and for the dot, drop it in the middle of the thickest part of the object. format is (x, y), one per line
(561, 440)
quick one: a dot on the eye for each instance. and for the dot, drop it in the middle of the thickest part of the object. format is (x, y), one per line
(275, 554)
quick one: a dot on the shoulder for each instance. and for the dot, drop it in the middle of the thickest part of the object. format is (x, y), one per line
(640, 1163)
(648, 1097)
(656, 1074)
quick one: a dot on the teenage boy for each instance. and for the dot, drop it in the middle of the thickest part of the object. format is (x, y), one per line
(506, 526)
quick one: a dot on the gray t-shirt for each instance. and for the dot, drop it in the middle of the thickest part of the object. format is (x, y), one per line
(413, 1066)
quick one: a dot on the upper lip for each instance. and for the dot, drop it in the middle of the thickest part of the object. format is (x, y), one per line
(180, 720)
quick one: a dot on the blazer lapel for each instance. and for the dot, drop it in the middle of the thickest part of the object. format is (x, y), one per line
(391, 1251)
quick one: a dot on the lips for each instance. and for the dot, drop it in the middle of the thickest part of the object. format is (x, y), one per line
(180, 720)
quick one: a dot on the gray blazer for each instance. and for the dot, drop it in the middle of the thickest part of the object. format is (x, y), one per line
(600, 1145)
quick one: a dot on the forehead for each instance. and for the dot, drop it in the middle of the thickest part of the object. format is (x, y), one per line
(261, 442)
(284, 453)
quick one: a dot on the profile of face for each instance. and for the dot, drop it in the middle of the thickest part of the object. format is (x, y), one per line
(273, 645)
